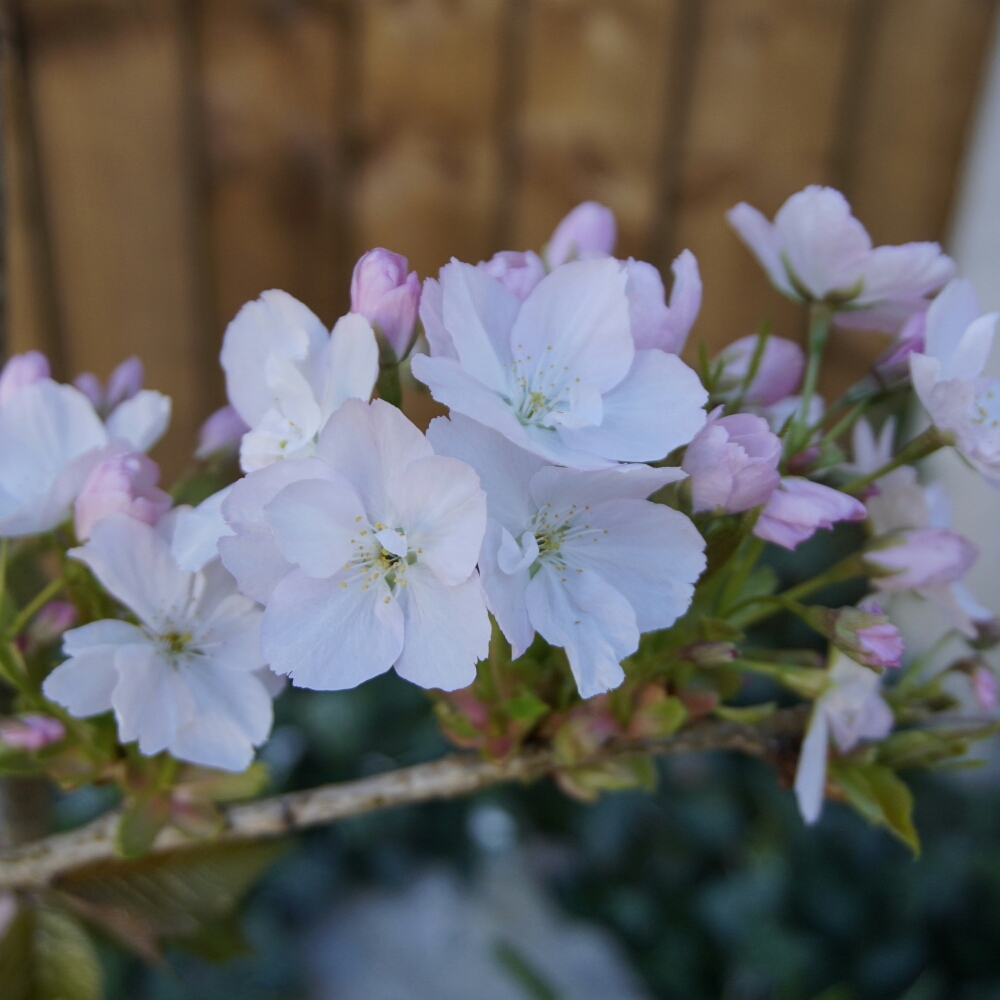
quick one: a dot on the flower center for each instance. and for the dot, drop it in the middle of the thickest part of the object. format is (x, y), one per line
(554, 530)
(986, 407)
(544, 394)
(380, 553)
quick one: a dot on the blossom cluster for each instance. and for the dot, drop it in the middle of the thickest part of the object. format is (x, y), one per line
(592, 515)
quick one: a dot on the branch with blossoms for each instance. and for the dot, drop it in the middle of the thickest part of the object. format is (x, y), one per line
(579, 563)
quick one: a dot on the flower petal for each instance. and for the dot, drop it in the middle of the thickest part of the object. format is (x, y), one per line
(350, 366)
(758, 234)
(238, 697)
(197, 531)
(84, 683)
(141, 420)
(810, 775)
(572, 487)
(505, 592)
(150, 700)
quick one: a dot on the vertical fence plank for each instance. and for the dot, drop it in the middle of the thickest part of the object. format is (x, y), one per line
(108, 97)
(430, 87)
(762, 124)
(595, 108)
(273, 111)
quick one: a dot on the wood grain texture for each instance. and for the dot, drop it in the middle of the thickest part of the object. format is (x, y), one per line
(762, 125)
(428, 175)
(594, 112)
(110, 117)
(273, 114)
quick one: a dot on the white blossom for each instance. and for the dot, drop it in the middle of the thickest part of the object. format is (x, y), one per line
(182, 679)
(580, 556)
(364, 556)
(851, 709)
(286, 374)
(558, 374)
(948, 376)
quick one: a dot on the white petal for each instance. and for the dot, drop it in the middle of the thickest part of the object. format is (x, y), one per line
(576, 320)
(317, 524)
(101, 634)
(566, 487)
(150, 700)
(972, 350)
(197, 531)
(392, 541)
(658, 407)
(236, 696)
(505, 592)
(758, 234)
(327, 637)
(212, 741)
(442, 508)
(135, 565)
(83, 684)
(479, 312)
(141, 420)
(275, 323)
(504, 469)
(810, 775)
(514, 557)
(446, 630)
(652, 555)
(351, 362)
(432, 316)
(588, 617)
(231, 635)
(252, 556)
(910, 271)
(371, 444)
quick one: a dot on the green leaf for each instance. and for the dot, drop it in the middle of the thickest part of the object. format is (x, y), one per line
(879, 795)
(177, 894)
(526, 707)
(662, 718)
(587, 783)
(749, 714)
(47, 955)
(144, 817)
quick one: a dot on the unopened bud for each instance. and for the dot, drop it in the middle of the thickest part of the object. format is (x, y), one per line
(20, 371)
(31, 732)
(865, 634)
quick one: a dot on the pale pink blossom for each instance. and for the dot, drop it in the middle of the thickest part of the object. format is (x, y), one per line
(798, 507)
(21, 370)
(48, 625)
(589, 230)
(125, 482)
(778, 375)
(31, 732)
(517, 272)
(917, 558)
(816, 251)
(732, 463)
(654, 323)
(388, 297)
(222, 432)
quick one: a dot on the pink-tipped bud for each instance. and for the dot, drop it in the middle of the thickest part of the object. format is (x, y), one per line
(732, 463)
(221, 433)
(589, 230)
(31, 732)
(388, 297)
(864, 633)
(20, 371)
(798, 508)
(124, 382)
(49, 624)
(892, 367)
(778, 374)
(123, 483)
(919, 557)
(517, 272)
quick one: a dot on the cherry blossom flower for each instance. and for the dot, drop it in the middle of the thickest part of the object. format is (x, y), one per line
(124, 482)
(579, 556)
(732, 463)
(589, 230)
(816, 251)
(798, 508)
(286, 374)
(654, 323)
(778, 375)
(558, 374)
(849, 711)
(130, 413)
(50, 439)
(364, 556)
(183, 679)
(948, 376)
(387, 297)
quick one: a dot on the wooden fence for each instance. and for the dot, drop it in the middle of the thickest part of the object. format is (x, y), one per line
(166, 160)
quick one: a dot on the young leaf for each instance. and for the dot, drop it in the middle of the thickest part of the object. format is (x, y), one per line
(587, 783)
(879, 795)
(525, 707)
(143, 818)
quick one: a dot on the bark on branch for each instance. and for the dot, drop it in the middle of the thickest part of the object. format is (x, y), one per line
(41, 862)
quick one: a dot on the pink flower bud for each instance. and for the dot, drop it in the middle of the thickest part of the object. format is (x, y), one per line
(20, 371)
(220, 433)
(798, 508)
(387, 296)
(919, 557)
(31, 732)
(589, 230)
(732, 463)
(90, 385)
(892, 367)
(517, 272)
(123, 483)
(778, 372)
(49, 624)
(984, 687)
(124, 382)
(864, 633)
(654, 323)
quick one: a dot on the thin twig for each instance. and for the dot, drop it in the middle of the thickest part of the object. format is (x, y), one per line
(39, 863)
